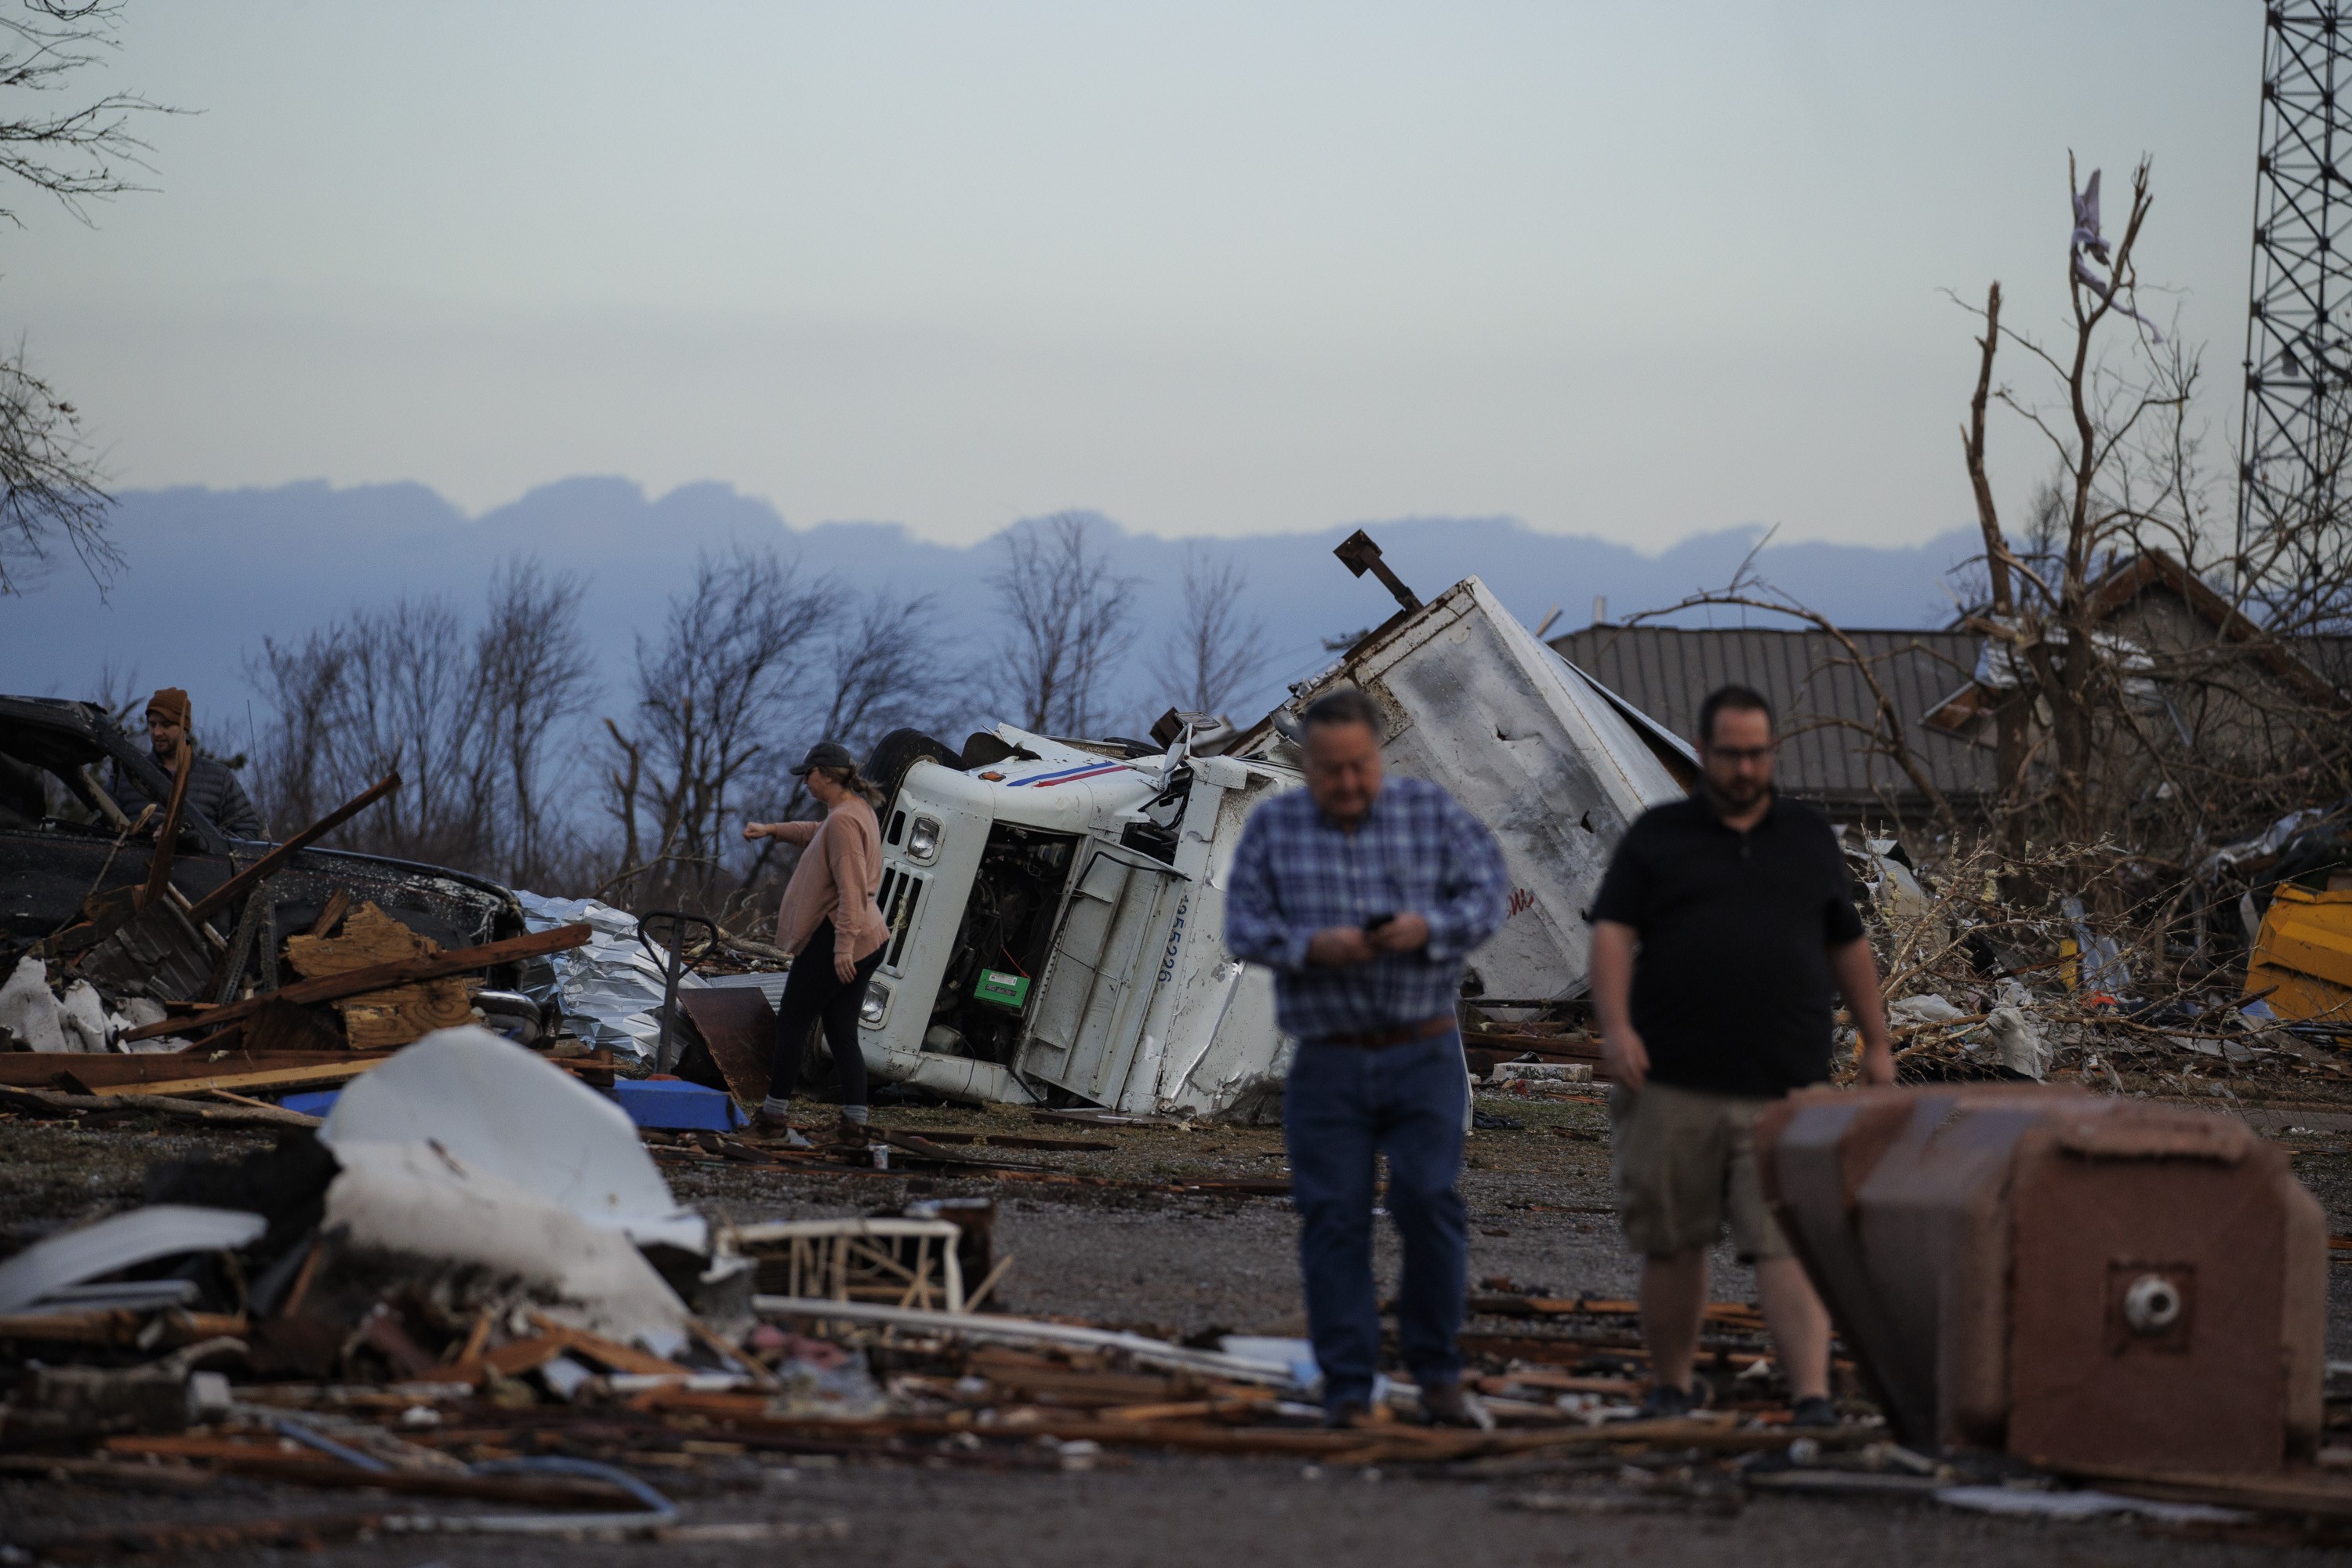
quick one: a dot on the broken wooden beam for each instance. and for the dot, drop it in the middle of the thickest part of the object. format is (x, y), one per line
(167, 834)
(160, 1072)
(382, 977)
(121, 1326)
(252, 876)
(318, 1076)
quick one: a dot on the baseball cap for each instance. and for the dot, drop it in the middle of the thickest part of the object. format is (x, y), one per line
(825, 754)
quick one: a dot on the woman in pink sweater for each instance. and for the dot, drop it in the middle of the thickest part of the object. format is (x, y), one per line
(829, 922)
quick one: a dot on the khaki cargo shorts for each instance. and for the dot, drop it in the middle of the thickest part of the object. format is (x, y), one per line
(1684, 1162)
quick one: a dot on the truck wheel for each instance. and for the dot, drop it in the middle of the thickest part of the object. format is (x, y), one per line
(895, 753)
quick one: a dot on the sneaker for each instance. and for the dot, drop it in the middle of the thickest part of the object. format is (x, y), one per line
(1450, 1405)
(1812, 1410)
(1664, 1401)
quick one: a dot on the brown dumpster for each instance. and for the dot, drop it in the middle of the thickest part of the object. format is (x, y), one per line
(2069, 1279)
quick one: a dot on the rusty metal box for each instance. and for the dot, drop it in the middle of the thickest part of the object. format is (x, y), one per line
(2071, 1279)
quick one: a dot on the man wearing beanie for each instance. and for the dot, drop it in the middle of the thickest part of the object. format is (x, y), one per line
(213, 789)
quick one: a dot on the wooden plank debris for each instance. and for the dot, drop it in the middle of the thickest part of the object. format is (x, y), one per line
(160, 1072)
(380, 1020)
(50, 1102)
(334, 987)
(121, 1326)
(167, 832)
(316, 1075)
(338, 906)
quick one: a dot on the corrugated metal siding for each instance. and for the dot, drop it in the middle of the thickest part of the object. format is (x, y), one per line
(1818, 694)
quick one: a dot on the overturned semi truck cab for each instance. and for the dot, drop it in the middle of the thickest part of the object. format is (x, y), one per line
(1057, 907)
(1055, 930)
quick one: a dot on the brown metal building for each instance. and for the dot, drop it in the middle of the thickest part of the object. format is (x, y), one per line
(1823, 702)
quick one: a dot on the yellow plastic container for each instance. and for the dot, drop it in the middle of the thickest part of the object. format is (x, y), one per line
(2302, 957)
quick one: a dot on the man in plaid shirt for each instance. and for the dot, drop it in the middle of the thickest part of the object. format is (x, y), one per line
(1365, 898)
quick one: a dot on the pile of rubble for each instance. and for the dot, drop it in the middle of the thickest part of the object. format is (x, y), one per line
(470, 1298)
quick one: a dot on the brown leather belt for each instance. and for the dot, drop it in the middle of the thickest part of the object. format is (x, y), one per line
(1379, 1039)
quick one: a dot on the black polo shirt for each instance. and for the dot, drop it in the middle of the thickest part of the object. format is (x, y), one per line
(1732, 989)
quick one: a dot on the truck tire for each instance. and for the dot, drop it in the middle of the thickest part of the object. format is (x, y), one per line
(895, 753)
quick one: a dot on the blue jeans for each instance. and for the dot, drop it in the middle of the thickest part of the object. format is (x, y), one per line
(1342, 1106)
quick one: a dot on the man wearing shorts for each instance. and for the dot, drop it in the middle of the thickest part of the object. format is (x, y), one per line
(1724, 924)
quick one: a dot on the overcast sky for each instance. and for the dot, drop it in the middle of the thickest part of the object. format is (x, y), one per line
(1630, 271)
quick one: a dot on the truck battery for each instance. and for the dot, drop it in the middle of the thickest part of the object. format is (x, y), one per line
(2068, 1278)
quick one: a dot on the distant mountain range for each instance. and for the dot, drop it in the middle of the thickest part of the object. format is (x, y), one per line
(211, 572)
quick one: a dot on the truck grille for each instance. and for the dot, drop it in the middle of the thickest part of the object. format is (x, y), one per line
(901, 891)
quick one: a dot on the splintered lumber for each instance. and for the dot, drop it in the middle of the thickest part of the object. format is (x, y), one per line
(380, 1020)
(261, 870)
(337, 908)
(751, 1414)
(334, 987)
(283, 1030)
(121, 1326)
(518, 1356)
(42, 1102)
(1735, 1315)
(1026, 1331)
(167, 835)
(319, 1075)
(160, 1072)
(156, 946)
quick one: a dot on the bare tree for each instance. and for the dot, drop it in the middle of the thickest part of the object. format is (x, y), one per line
(117, 692)
(2116, 722)
(1067, 623)
(1883, 734)
(52, 486)
(299, 767)
(537, 680)
(888, 671)
(409, 701)
(52, 491)
(473, 717)
(1218, 649)
(713, 695)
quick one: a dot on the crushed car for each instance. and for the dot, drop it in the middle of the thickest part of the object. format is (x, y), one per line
(72, 862)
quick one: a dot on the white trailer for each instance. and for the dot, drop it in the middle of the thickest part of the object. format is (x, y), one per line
(1057, 907)
(1555, 764)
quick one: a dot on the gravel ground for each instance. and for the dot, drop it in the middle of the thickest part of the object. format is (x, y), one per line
(1180, 1511)
(1184, 1264)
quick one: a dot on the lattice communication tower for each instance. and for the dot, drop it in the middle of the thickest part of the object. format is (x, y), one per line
(2299, 323)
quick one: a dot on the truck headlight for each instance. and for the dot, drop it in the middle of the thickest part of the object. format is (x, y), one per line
(876, 1006)
(923, 840)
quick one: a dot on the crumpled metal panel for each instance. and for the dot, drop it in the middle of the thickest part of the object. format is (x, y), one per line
(1534, 749)
(610, 989)
(739, 1028)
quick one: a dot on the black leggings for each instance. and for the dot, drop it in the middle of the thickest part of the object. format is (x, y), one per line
(813, 993)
